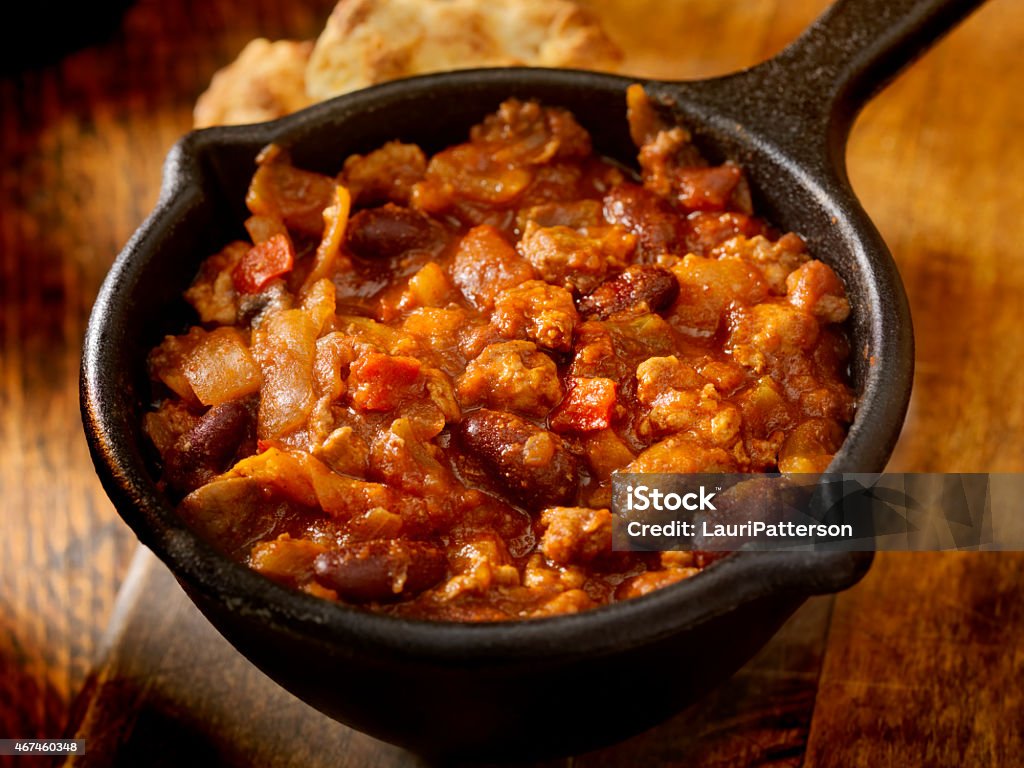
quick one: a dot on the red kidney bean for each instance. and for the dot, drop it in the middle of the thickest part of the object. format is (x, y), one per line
(209, 447)
(380, 570)
(654, 286)
(390, 230)
(531, 464)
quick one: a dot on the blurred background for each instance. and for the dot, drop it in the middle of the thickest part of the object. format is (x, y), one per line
(937, 160)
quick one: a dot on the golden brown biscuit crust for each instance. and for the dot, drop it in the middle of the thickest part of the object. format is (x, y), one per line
(265, 82)
(372, 41)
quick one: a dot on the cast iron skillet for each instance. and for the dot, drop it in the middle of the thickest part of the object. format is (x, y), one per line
(564, 684)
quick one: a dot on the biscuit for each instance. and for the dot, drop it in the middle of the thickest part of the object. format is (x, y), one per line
(371, 41)
(266, 81)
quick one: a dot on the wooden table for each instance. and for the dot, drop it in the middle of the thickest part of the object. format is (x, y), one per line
(919, 664)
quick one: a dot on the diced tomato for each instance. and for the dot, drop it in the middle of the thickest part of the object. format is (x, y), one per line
(380, 382)
(587, 406)
(262, 263)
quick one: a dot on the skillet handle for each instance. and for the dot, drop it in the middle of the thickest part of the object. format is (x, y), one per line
(812, 90)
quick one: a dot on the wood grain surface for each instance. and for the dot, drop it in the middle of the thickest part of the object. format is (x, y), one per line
(919, 665)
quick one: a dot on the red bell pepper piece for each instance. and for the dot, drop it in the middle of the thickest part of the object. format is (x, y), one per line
(262, 263)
